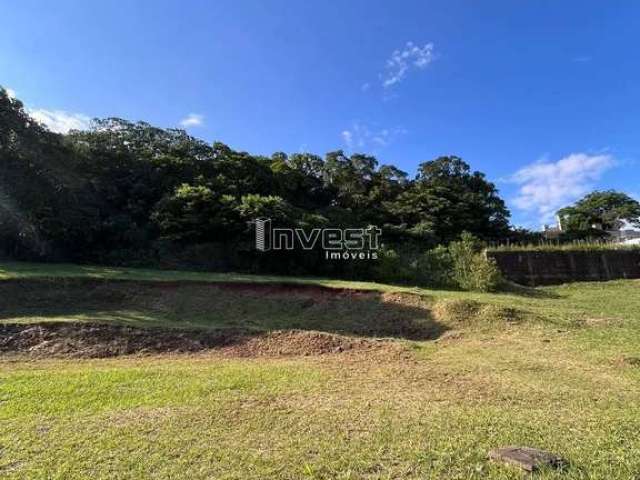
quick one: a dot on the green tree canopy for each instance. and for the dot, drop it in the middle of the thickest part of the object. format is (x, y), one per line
(603, 210)
(121, 188)
(447, 198)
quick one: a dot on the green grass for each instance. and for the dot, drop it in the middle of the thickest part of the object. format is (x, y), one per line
(561, 305)
(25, 270)
(556, 379)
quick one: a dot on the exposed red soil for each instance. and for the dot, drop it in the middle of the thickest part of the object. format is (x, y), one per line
(91, 340)
(301, 343)
(317, 291)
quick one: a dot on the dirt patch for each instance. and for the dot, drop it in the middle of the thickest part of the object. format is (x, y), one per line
(301, 343)
(627, 361)
(314, 292)
(450, 335)
(601, 322)
(91, 340)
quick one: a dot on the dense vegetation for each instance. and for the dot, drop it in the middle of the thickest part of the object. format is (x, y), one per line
(127, 193)
(131, 193)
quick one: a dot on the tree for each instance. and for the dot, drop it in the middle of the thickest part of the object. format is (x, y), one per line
(129, 190)
(254, 206)
(447, 198)
(298, 178)
(194, 213)
(600, 210)
(346, 179)
(46, 205)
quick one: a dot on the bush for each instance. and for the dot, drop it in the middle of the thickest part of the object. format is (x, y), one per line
(472, 270)
(391, 267)
(435, 268)
(483, 276)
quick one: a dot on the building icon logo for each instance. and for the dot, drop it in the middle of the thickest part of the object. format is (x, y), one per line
(263, 234)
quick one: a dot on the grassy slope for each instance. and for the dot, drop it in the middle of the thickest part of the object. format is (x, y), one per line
(12, 270)
(556, 384)
(617, 299)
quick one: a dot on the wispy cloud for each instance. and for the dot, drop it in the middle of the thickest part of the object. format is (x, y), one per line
(547, 186)
(347, 138)
(581, 59)
(402, 61)
(361, 137)
(59, 121)
(192, 120)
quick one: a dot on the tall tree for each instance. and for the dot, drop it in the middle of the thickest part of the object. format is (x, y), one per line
(601, 210)
(447, 198)
(46, 202)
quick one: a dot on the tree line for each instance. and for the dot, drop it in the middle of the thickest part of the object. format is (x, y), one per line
(131, 193)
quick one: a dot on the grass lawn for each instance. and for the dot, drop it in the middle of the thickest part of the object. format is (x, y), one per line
(25, 270)
(556, 368)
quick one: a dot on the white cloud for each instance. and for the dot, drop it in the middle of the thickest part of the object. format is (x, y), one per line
(10, 92)
(60, 121)
(347, 138)
(361, 137)
(547, 186)
(402, 61)
(192, 120)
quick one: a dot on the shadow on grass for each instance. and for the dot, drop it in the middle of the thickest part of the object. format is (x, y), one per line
(530, 292)
(251, 308)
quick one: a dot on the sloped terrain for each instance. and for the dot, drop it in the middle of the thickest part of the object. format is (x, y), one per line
(103, 318)
(183, 378)
(90, 340)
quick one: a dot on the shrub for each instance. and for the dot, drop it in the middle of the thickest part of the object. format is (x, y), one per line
(435, 268)
(391, 267)
(483, 275)
(463, 264)
(472, 270)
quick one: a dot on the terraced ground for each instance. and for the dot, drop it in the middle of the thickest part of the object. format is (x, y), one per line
(125, 373)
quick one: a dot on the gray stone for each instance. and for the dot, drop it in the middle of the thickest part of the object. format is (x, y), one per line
(527, 458)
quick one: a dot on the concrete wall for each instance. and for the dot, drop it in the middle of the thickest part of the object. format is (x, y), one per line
(553, 267)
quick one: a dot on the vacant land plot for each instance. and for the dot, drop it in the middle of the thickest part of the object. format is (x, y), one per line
(113, 373)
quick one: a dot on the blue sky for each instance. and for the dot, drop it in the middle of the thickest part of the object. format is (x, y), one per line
(542, 96)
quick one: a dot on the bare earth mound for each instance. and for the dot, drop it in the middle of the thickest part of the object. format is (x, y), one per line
(219, 307)
(90, 340)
